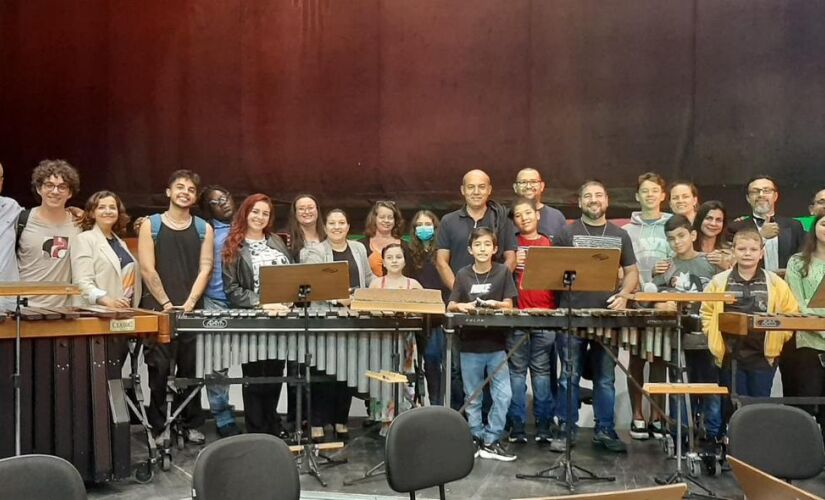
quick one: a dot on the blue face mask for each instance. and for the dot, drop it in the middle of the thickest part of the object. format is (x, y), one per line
(425, 233)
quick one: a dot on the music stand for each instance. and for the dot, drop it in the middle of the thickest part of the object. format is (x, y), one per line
(304, 283)
(22, 291)
(559, 269)
(818, 299)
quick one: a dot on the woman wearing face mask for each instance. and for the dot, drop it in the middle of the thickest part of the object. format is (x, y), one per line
(384, 225)
(711, 227)
(421, 266)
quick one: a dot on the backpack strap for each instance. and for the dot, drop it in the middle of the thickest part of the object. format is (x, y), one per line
(22, 220)
(154, 224)
(200, 225)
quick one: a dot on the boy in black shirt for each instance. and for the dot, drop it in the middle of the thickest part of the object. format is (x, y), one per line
(485, 284)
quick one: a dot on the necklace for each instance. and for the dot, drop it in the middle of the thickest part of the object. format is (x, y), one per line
(584, 226)
(175, 224)
(486, 277)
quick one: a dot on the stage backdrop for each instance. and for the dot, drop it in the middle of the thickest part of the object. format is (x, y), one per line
(358, 100)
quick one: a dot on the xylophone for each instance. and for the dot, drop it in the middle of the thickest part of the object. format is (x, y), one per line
(72, 406)
(649, 333)
(343, 343)
(734, 323)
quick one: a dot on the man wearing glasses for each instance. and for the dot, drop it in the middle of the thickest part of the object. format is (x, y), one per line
(816, 208)
(783, 236)
(530, 185)
(43, 248)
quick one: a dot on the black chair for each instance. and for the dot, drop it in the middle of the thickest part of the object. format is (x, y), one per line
(256, 466)
(428, 447)
(781, 440)
(40, 477)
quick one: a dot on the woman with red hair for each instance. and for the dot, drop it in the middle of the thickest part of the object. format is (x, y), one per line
(250, 245)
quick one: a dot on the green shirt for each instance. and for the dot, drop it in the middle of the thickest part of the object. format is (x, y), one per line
(807, 222)
(804, 289)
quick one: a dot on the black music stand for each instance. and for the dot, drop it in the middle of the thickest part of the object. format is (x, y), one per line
(559, 268)
(22, 291)
(303, 283)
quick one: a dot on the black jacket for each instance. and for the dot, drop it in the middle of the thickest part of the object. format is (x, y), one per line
(238, 278)
(791, 235)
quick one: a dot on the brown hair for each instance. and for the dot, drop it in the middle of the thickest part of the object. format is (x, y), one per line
(420, 253)
(88, 220)
(296, 234)
(748, 233)
(808, 248)
(652, 177)
(57, 168)
(371, 224)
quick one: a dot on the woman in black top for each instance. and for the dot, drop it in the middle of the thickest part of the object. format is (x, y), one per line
(250, 245)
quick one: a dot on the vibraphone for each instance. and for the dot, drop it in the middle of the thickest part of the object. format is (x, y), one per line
(343, 343)
(649, 333)
(72, 406)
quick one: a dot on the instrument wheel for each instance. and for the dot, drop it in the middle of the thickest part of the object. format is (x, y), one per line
(712, 465)
(166, 462)
(143, 474)
(180, 441)
(668, 445)
(695, 466)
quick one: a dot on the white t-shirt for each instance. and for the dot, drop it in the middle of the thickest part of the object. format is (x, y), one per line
(263, 255)
(9, 210)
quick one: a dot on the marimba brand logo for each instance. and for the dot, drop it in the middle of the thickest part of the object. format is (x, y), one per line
(770, 323)
(214, 324)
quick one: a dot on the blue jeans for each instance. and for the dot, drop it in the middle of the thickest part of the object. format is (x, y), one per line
(604, 378)
(534, 353)
(701, 368)
(755, 383)
(473, 365)
(218, 395)
(434, 364)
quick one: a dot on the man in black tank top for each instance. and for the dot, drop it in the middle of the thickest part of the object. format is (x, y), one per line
(175, 252)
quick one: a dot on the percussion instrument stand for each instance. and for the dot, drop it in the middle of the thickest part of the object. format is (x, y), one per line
(21, 302)
(566, 469)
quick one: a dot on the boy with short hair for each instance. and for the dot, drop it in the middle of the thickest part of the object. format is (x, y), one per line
(690, 271)
(538, 351)
(757, 290)
(484, 284)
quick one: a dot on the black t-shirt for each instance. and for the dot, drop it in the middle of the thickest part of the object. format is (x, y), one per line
(122, 255)
(495, 285)
(581, 235)
(454, 235)
(346, 256)
(751, 297)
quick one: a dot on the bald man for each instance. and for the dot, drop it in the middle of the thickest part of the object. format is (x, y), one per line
(530, 185)
(9, 210)
(452, 240)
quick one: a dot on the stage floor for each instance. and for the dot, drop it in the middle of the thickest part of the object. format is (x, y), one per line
(489, 479)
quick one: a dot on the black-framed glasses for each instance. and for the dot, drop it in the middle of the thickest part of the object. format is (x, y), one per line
(758, 191)
(51, 186)
(531, 183)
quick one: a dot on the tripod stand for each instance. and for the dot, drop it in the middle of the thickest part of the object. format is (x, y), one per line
(565, 469)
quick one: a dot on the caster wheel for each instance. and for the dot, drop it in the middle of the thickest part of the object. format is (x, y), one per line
(180, 442)
(694, 466)
(669, 446)
(166, 462)
(143, 474)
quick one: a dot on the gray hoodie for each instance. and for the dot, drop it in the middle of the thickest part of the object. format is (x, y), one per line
(649, 242)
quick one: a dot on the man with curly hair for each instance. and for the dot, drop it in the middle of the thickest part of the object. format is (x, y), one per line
(46, 231)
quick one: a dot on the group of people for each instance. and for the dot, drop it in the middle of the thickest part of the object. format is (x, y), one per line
(476, 256)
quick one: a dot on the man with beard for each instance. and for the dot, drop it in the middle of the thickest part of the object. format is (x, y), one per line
(593, 231)
(783, 236)
(530, 185)
(216, 202)
(816, 208)
(176, 253)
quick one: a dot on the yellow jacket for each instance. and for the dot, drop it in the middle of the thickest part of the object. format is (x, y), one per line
(780, 301)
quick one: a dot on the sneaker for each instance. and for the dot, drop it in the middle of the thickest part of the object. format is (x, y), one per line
(228, 430)
(495, 451)
(610, 441)
(656, 429)
(558, 443)
(162, 439)
(476, 445)
(544, 432)
(194, 436)
(517, 434)
(640, 431)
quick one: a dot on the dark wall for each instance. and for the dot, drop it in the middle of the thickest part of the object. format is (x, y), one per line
(367, 99)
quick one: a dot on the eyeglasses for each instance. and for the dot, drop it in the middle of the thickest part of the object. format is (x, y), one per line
(758, 191)
(531, 183)
(50, 186)
(223, 200)
(305, 210)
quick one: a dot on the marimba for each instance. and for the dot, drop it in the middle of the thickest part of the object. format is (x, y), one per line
(734, 323)
(343, 343)
(70, 358)
(649, 333)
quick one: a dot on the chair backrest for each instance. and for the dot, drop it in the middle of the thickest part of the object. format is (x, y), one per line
(426, 447)
(246, 466)
(40, 477)
(780, 440)
(758, 485)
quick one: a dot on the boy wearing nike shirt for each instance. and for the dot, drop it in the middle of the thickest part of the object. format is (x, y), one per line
(484, 284)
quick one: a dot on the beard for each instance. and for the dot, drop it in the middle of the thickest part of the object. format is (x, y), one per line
(593, 211)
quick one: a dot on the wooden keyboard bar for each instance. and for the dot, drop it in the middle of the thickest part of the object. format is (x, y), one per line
(665, 388)
(725, 297)
(741, 324)
(146, 323)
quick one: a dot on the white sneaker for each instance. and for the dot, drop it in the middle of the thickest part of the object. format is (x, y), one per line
(638, 430)
(194, 436)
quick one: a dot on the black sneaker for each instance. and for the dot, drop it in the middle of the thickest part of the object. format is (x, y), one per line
(495, 451)
(228, 430)
(638, 430)
(517, 434)
(657, 429)
(544, 432)
(476, 445)
(610, 441)
(558, 444)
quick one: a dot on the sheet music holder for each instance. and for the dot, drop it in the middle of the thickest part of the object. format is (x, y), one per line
(572, 270)
(818, 300)
(595, 269)
(759, 485)
(419, 301)
(282, 284)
